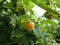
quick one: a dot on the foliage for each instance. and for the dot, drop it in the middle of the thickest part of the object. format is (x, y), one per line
(13, 15)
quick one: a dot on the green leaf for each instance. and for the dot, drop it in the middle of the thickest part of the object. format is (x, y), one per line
(31, 42)
(1, 1)
(57, 3)
(30, 5)
(7, 4)
(13, 18)
(26, 2)
(40, 36)
(22, 41)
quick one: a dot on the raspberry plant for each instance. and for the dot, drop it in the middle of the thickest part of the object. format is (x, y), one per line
(13, 15)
